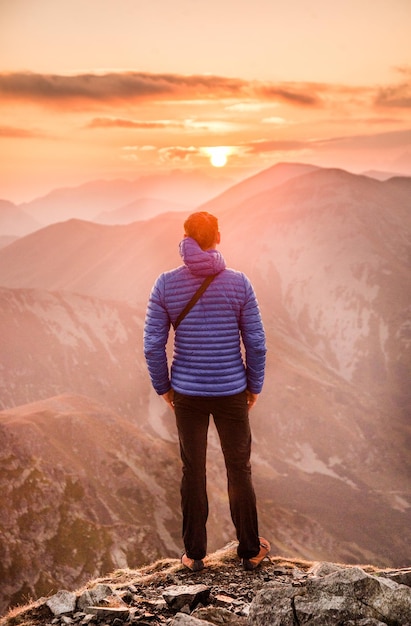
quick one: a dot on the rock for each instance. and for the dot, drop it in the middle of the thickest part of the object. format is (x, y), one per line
(84, 601)
(324, 568)
(110, 613)
(181, 619)
(367, 621)
(93, 597)
(62, 602)
(219, 616)
(402, 576)
(323, 593)
(178, 596)
(345, 596)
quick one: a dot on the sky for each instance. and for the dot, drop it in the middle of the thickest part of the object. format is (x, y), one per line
(93, 89)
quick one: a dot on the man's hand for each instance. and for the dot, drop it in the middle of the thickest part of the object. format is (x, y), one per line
(169, 398)
(251, 399)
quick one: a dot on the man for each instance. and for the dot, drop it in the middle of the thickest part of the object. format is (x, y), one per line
(209, 377)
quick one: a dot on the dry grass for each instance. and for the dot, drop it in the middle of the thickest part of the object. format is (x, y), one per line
(163, 570)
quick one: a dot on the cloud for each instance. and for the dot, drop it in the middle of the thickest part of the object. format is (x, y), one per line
(145, 148)
(108, 122)
(178, 153)
(188, 124)
(279, 121)
(397, 96)
(112, 87)
(18, 133)
(213, 126)
(247, 107)
(265, 146)
(126, 87)
(377, 141)
(303, 95)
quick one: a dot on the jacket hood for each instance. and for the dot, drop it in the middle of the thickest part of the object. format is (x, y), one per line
(200, 262)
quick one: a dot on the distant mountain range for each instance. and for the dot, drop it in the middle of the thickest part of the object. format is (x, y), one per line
(112, 201)
(140, 209)
(124, 201)
(329, 255)
(14, 222)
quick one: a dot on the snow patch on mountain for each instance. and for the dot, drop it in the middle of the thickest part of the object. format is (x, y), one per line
(306, 459)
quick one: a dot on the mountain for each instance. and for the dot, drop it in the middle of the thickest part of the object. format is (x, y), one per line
(91, 199)
(6, 240)
(55, 342)
(328, 253)
(380, 175)
(14, 221)
(94, 259)
(83, 492)
(307, 470)
(140, 209)
(266, 180)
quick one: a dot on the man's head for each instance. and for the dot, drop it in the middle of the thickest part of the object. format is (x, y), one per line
(203, 227)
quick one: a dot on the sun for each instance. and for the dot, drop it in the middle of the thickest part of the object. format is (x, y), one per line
(218, 155)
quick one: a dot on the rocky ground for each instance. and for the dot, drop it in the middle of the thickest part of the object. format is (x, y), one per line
(154, 595)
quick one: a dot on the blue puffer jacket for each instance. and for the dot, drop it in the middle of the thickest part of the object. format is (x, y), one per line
(207, 358)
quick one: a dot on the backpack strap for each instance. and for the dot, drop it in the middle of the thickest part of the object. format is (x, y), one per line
(194, 299)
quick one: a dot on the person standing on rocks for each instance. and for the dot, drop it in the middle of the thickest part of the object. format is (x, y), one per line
(209, 377)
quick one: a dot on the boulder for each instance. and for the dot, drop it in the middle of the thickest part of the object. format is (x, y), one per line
(62, 602)
(93, 596)
(347, 596)
(178, 596)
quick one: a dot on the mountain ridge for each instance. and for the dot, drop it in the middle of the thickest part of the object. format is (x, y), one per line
(89, 199)
(14, 221)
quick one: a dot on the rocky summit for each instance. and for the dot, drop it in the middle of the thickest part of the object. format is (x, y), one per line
(281, 592)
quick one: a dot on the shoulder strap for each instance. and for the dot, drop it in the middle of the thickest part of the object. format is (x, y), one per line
(194, 299)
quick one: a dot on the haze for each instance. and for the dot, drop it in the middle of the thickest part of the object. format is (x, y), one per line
(108, 89)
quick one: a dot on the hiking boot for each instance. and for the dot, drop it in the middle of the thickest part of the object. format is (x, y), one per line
(195, 565)
(250, 564)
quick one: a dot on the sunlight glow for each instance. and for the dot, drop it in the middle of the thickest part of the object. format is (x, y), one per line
(218, 155)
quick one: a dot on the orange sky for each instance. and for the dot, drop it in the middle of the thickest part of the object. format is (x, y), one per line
(117, 88)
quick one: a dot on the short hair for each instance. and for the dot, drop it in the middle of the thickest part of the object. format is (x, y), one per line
(203, 227)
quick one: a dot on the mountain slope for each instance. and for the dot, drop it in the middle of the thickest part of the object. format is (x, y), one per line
(266, 180)
(329, 255)
(6, 240)
(82, 492)
(318, 440)
(140, 209)
(61, 342)
(117, 262)
(14, 221)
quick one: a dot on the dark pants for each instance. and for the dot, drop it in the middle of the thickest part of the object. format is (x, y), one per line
(230, 415)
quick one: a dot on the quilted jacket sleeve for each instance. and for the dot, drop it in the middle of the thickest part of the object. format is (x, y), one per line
(156, 330)
(253, 337)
